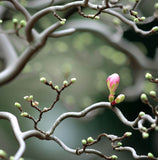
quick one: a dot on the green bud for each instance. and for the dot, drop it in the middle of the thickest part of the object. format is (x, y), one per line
(56, 87)
(73, 80)
(150, 155)
(148, 76)
(15, 21)
(152, 93)
(116, 21)
(144, 98)
(153, 125)
(145, 135)
(65, 83)
(114, 157)
(31, 97)
(120, 98)
(1, 21)
(23, 23)
(141, 113)
(119, 144)
(154, 29)
(97, 17)
(134, 13)
(142, 18)
(43, 80)
(144, 128)
(90, 139)
(17, 104)
(128, 134)
(45, 109)
(24, 114)
(156, 5)
(3, 154)
(11, 158)
(136, 20)
(63, 21)
(84, 141)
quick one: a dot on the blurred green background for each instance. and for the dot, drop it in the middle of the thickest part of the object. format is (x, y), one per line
(90, 60)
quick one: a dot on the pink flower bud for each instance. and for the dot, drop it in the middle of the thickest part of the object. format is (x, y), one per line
(113, 82)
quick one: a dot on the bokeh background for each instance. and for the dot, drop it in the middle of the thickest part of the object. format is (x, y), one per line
(89, 59)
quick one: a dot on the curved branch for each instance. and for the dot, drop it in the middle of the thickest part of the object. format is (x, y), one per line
(17, 132)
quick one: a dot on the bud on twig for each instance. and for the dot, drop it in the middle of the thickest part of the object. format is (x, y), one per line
(84, 141)
(141, 114)
(18, 105)
(43, 80)
(114, 157)
(24, 114)
(144, 98)
(73, 80)
(145, 135)
(3, 154)
(90, 139)
(150, 155)
(148, 76)
(152, 94)
(128, 134)
(120, 98)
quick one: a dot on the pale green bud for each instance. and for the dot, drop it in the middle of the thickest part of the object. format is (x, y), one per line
(145, 135)
(150, 155)
(84, 141)
(114, 157)
(43, 80)
(1, 21)
(97, 17)
(148, 76)
(73, 80)
(154, 29)
(144, 128)
(90, 139)
(119, 144)
(63, 21)
(142, 18)
(152, 93)
(120, 98)
(23, 23)
(128, 134)
(153, 125)
(17, 104)
(56, 87)
(156, 5)
(65, 83)
(31, 97)
(141, 113)
(45, 109)
(24, 114)
(134, 13)
(15, 21)
(3, 154)
(136, 20)
(144, 98)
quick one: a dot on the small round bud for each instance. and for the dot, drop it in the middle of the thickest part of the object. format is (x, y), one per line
(56, 87)
(17, 104)
(150, 155)
(148, 76)
(134, 13)
(45, 109)
(1, 21)
(144, 98)
(154, 29)
(153, 125)
(84, 141)
(111, 98)
(43, 80)
(136, 20)
(128, 134)
(144, 128)
(11, 158)
(65, 83)
(114, 157)
(141, 113)
(15, 21)
(152, 93)
(97, 17)
(142, 18)
(3, 154)
(120, 98)
(145, 135)
(24, 114)
(119, 144)
(156, 5)
(36, 103)
(63, 21)
(23, 23)
(73, 80)
(31, 97)
(90, 139)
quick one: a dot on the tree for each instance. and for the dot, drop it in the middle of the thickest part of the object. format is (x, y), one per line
(128, 19)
